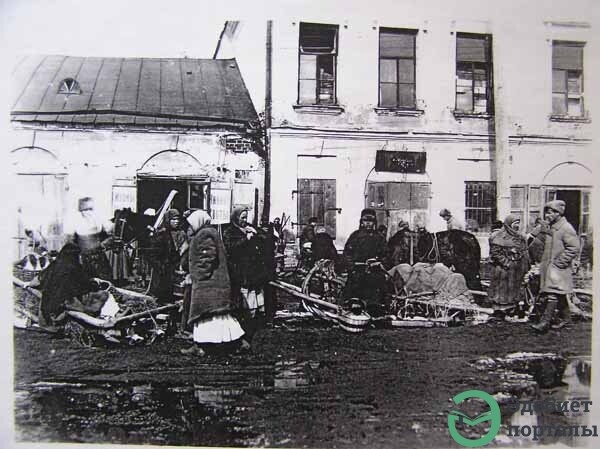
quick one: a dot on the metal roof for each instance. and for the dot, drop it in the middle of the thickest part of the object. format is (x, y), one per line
(138, 92)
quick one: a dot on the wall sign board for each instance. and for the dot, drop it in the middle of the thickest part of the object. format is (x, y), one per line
(401, 161)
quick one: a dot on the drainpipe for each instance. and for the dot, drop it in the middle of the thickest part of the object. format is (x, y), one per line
(502, 152)
(267, 124)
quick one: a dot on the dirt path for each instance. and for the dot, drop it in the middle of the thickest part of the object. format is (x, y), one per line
(313, 386)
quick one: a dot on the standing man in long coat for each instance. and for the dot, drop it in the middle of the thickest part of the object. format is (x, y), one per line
(561, 247)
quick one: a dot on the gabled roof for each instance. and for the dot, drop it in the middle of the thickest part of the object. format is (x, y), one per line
(139, 92)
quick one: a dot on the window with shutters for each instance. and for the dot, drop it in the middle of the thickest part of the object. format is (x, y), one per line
(474, 93)
(397, 68)
(567, 79)
(317, 64)
(526, 202)
(480, 204)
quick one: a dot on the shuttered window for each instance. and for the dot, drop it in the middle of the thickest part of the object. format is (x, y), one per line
(474, 73)
(397, 68)
(567, 79)
(317, 64)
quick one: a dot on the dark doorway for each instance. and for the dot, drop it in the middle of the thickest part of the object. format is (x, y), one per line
(152, 193)
(572, 198)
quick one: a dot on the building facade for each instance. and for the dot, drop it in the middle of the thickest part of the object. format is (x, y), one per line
(410, 110)
(126, 132)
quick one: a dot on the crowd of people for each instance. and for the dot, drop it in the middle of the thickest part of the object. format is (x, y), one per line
(552, 244)
(226, 269)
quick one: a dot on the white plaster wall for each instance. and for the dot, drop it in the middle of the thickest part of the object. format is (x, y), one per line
(522, 53)
(531, 162)
(95, 159)
(353, 162)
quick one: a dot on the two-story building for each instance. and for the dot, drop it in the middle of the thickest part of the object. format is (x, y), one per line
(410, 109)
(127, 131)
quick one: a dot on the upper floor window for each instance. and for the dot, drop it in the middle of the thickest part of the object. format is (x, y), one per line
(317, 64)
(567, 79)
(474, 73)
(69, 86)
(397, 68)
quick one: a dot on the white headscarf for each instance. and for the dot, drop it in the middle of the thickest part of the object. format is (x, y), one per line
(197, 219)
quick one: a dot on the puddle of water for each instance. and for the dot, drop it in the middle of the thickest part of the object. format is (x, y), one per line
(576, 386)
(207, 415)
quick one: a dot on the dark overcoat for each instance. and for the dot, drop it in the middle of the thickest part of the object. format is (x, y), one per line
(211, 293)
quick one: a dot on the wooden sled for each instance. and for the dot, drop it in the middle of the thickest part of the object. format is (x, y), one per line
(107, 327)
(346, 319)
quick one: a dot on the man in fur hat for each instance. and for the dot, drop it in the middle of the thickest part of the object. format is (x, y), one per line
(362, 245)
(561, 247)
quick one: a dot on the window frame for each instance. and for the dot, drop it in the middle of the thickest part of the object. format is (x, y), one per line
(333, 54)
(566, 94)
(397, 83)
(483, 229)
(488, 66)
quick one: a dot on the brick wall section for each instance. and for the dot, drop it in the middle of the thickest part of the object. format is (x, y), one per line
(239, 145)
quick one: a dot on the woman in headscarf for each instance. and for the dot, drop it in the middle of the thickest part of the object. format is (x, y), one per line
(247, 259)
(510, 261)
(210, 300)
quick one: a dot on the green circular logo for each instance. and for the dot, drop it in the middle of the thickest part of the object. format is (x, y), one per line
(493, 415)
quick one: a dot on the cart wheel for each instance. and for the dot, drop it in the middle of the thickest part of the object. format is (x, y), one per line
(322, 280)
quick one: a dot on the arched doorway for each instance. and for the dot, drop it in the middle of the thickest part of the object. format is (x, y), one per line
(571, 182)
(40, 197)
(178, 170)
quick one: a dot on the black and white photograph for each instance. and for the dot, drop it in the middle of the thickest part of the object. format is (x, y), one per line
(300, 224)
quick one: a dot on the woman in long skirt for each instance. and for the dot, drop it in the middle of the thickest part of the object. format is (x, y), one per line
(510, 262)
(210, 303)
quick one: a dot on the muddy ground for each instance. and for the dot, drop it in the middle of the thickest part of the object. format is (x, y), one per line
(305, 384)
